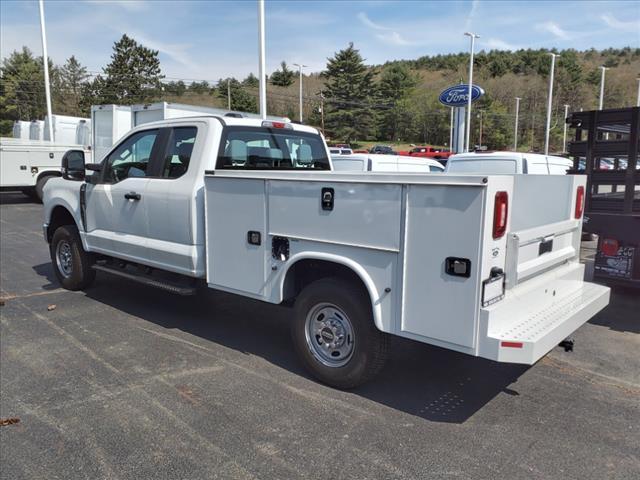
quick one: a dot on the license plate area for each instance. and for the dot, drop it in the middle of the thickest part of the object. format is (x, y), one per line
(492, 290)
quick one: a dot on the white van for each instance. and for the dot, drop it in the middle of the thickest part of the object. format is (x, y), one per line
(371, 162)
(508, 162)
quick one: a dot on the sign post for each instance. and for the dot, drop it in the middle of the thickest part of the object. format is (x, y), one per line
(457, 98)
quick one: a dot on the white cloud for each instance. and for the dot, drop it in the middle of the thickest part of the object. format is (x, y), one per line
(613, 22)
(370, 23)
(394, 38)
(554, 29)
(472, 14)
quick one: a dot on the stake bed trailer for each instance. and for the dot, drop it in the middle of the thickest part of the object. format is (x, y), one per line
(483, 265)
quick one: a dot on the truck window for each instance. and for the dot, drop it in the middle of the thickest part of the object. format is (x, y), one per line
(260, 148)
(131, 158)
(178, 153)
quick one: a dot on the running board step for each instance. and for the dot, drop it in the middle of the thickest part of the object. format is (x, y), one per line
(146, 280)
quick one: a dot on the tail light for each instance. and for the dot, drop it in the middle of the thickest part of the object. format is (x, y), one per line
(609, 247)
(579, 202)
(500, 212)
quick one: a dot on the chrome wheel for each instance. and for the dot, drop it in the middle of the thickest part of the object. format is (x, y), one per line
(64, 258)
(329, 335)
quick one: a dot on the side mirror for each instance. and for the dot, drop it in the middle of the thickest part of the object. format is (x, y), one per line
(73, 165)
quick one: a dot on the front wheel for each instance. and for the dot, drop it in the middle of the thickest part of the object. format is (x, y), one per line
(71, 263)
(334, 334)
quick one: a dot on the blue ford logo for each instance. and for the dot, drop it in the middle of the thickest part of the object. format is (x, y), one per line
(458, 95)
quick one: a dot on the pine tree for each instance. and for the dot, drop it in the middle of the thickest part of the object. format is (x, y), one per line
(395, 87)
(349, 90)
(283, 77)
(241, 100)
(251, 81)
(67, 87)
(133, 76)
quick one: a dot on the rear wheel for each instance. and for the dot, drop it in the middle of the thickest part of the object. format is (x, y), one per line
(71, 263)
(334, 333)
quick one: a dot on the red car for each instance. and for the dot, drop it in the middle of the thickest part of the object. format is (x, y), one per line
(428, 152)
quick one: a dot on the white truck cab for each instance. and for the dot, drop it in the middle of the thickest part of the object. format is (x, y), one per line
(372, 162)
(479, 264)
(489, 162)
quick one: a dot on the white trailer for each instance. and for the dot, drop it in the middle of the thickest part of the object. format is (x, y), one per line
(486, 265)
(154, 112)
(64, 129)
(110, 123)
(27, 165)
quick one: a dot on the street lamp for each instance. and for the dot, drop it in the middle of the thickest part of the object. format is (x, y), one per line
(261, 61)
(300, 66)
(515, 129)
(604, 69)
(472, 37)
(546, 137)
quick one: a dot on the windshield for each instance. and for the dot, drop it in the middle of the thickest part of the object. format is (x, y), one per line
(260, 148)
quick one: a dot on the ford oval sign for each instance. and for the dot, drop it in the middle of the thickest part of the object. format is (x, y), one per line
(458, 95)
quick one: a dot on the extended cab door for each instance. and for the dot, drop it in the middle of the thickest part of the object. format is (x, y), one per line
(115, 206)
(172, 207)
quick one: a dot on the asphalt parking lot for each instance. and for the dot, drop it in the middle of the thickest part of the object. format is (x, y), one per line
(124, 381)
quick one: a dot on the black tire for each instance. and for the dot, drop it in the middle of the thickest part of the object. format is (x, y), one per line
(370, 345)
(39, 189)
(80, 274)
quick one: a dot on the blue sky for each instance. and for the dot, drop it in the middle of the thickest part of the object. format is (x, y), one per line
(207, 40)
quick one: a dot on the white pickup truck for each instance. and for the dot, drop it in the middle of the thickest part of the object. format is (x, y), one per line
(483, 265)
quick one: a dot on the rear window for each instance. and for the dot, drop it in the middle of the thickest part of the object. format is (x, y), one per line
(259, 148)
(487, 166)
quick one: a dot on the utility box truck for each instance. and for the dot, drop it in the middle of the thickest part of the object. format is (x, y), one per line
(480, 264)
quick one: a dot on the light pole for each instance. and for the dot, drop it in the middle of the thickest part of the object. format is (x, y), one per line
(261, 64)
(451, 131)
(45, 64)
(472, 37)
(300, 67)
(515, 128)
(604, 69)
(229, 93)
(549, 100)
(564, 133)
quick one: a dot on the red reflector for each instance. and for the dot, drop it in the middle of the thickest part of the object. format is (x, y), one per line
(579, 202)
(500, 212)
(511, 344)
(609, 247)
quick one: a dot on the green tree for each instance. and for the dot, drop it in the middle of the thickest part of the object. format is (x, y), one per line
(67, 87)
(395, 87)
(241, 100)
(251, 81)
(283, 77)
(349, 90)
(132, 76)
(200, 87)
(175, 88)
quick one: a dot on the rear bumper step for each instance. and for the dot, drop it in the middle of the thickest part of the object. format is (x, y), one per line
(146, 280)
(525, 327)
